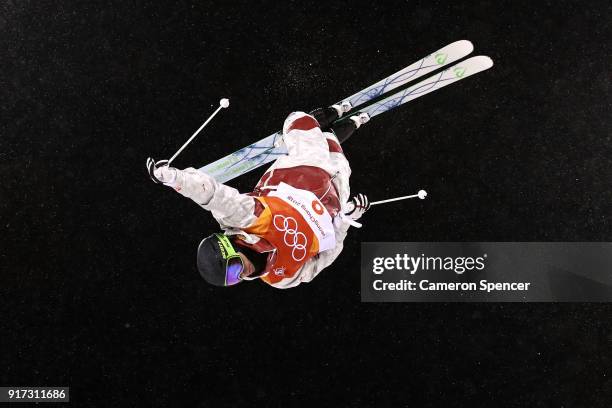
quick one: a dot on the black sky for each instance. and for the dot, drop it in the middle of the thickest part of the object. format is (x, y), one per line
(99, 287)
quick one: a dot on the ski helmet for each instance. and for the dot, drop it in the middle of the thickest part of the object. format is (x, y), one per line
(218, 262)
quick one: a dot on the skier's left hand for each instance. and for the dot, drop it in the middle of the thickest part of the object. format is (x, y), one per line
(160, 172)
(357, 206)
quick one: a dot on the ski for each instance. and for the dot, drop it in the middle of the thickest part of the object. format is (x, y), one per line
(450, 75)
(270, 148)
(433, 61)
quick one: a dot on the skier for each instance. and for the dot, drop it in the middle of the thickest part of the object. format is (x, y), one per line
(293, 224)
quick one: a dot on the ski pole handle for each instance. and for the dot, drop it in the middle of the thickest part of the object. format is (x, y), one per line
(421, 194)
(223, 103)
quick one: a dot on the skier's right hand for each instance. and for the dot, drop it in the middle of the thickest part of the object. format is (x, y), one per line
(357, 206)
(160, 172)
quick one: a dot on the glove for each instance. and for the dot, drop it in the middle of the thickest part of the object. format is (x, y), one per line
(357, 206)
(160, 172)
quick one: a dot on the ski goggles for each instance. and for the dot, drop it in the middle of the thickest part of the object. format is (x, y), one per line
(233, 262)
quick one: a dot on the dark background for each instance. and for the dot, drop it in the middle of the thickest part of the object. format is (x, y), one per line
(98, 280)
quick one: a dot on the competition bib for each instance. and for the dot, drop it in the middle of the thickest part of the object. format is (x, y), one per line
(311, 209)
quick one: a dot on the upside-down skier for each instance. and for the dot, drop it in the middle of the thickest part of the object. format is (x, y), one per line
(293, 224)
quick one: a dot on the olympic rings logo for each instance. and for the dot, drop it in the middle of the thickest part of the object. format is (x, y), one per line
(292, 238)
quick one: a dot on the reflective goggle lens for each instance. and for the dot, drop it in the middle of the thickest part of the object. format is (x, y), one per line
(232, 271)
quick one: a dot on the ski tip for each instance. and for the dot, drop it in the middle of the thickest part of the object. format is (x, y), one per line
(485, 61)
(465, 45)
(478, 63)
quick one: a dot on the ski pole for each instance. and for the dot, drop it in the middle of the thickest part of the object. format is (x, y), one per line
(421, 194)
(223, 103)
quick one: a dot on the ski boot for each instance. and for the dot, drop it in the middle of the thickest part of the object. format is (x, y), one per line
(342, 108)
(327, 116)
